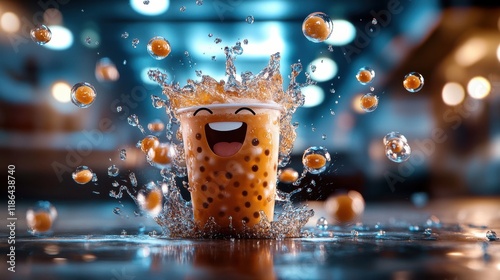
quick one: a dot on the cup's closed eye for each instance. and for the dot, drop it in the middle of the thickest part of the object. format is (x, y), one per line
(244, 109)
(201, 110)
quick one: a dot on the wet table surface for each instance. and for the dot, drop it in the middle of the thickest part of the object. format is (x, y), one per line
(444, 240)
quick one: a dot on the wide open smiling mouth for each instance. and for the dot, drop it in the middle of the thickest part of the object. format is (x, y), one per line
(225, 138)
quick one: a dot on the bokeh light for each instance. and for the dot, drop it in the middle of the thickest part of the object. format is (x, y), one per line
(153, 8)
(10, 22)
(314, 95)
(324, 69)
(453, 94)
(478, 87)
(343, 33)
(62, 38)
(61, 91)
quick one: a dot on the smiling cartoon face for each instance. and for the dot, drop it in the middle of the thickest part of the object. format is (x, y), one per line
(232, 156)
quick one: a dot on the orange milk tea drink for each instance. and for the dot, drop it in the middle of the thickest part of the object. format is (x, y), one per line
(231, 153)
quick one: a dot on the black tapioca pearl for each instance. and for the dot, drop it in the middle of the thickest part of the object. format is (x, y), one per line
(259, 197)
(198, 136)
(266, 152)
(246, 158)
(252, 185)
(221, 187)
(205, 205)
(255, 168)
(248, 204)
(237, 209)
(236, 184)
(265, 174)
(256, 215)
(255, 142)
(199, 149)
(220, 196)
(204, 188)
(264, 184)
(202, 168)
(210, 200)
(257, 159)
(246, 220)
(229, 175)
(244, 193)
(207, 158)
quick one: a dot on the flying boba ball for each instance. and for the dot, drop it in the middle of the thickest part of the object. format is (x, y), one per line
(396, 147)
(317, 27)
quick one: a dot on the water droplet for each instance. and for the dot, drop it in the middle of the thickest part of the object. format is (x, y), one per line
(41, 34)
(428, 232)
(374, 21)
(316, 159)
(309, 190)
(317, 27)
(217, 40)
(158, 48)
(354, 233)
(380, 233)
(332, 112)
(198, 73)
(491, 235)
(322, 224)
(238, 50)
(117, 211)
(365, 75)
(199, 2)
(124, 62)
(83, 94)
(118, 109)
(245, 41)
(124, 35)
(182, 9)
(250, 19)
(332, 90)
(368, 102)
(413, 82)
(372, 88)
(396, 147)
(419, 199)
(433, 221)
(113, 170)
(123, 233)
(115, 184)
(88, 40)
(133, 179)
(330, 48)
(323, 136)
(313, 68)
(145, 2)
(135, 42)
(133, 120)
(210, 35)
(123, 154)
(414, 228)
(213, 58)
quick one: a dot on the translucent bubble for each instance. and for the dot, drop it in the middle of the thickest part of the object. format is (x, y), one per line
(182, 8)
(150, 198)
(118, 109)
(123, 154)
(124, 35)
(199, 2)
(316, 159)
(250, 19)
(396, 147)
(158, 47)
(145, 2)
(330, 48)
(317, 27)
(428, 232)
(368, 102)
(135, 42)
(41, 34)
(245, 41)
(413, 82)
(83, 94)
(41, 217)
(345, 208)
(217, 40)
(82, 175)
(365, 75)
(374, 21)
(117, 210)
(210, 35)
(88, 40)
(322, 224)
(491, 235)
(113, 171)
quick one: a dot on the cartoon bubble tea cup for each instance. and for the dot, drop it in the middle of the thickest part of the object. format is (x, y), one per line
(231, 153)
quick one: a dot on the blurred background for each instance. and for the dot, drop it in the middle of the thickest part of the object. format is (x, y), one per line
(452, 124)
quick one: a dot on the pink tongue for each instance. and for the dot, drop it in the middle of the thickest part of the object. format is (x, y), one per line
(225, 149)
